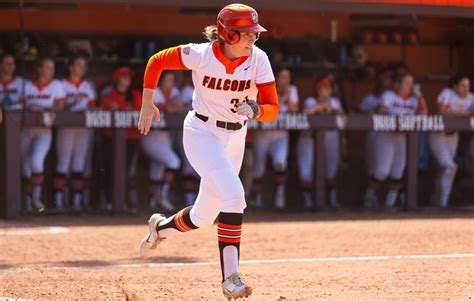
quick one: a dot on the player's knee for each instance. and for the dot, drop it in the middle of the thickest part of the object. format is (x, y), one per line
(202, 219)
(173, 163)
(59, 181)
(227, 184)
(279, 166)
(234, 206)
(77, 181)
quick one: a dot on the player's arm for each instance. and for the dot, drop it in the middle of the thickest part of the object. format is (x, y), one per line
(294, 100)
(168, 59)
(59, 104)
(268, 105)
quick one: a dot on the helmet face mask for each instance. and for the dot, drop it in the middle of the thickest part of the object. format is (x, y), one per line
(236, 18)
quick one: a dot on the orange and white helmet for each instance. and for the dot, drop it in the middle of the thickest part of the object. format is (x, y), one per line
(235, 18)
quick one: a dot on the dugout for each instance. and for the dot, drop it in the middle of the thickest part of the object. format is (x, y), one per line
(348, 38)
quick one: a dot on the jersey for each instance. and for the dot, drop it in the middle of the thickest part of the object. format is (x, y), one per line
(11, 91)
(455, 104)
(43, 95)
(397, 105)
(161, 101)
(78, 95)
(220, 84)
(292, 98)
(312, 101)
(369, 104)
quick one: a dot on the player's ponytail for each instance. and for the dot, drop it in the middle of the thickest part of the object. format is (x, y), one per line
(210, 33)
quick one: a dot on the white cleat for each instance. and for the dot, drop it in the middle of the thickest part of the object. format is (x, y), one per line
(234, 288)
(38, 205)
(152, 239)
(280, 201)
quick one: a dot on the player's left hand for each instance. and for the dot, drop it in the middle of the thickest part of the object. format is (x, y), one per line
(249, 109)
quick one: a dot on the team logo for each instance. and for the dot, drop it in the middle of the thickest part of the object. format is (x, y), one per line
(254, 17)
(48, 118)
(186, 50)
(341, 122)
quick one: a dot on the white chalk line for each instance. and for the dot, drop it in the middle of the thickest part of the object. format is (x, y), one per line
(260, 261)
(33, 230)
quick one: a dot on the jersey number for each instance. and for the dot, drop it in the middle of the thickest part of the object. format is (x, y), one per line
(236, 102)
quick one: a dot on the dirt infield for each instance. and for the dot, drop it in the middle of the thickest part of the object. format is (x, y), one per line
(284, 256)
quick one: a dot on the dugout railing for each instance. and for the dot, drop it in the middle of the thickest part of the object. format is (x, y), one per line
(12, 123)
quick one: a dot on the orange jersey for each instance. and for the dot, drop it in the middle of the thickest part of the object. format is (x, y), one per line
(114, 100)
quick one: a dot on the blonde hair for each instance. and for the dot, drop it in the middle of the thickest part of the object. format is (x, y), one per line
(210, 33)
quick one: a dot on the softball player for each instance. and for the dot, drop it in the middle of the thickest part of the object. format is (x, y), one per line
(390, 157)
(122, 97)
(42, 94)
(324, 103)
(456, 100)
(227, 73)
(369, 105)
(72, 143)
(11, 86)
(275, 143)
(158, 147)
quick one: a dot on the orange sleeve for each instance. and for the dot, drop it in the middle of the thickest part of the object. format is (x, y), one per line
(168, 59)
(268, 101)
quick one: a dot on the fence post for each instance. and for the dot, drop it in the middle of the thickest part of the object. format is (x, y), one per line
(120, 172)
(319, 166)
(10, 195)
(412, 171)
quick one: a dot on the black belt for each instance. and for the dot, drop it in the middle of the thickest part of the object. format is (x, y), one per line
(233, 126)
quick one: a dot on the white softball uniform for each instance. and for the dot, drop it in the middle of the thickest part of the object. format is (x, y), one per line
(36, 141)
(390, 156)
(72, 143)
(273, 142)
(305, 147)
(11, 92)
(369, 105)
(216, 153)
(444, 145)
(158, 145)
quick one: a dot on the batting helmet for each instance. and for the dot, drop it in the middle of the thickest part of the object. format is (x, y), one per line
(235, 18)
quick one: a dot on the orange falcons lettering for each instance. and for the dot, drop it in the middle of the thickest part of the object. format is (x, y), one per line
(225, 84)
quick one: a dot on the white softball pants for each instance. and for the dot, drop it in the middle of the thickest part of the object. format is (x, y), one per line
(72, 146)
(390, 156)
(273, 142)
(35, 144)
(305, 153)
(158, 146)
(216, 154)
(444, 146)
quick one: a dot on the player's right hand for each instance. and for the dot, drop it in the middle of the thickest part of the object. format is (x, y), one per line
(147, 113)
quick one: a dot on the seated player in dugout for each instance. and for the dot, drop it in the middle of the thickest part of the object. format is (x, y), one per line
(390, 156)
(121, 96)
(322, 102)
(158, 147)
(44, 93)
(369, 105)
(72, 143)
(228, 72)
(457, 100)
(11, 85)
(275, 143)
